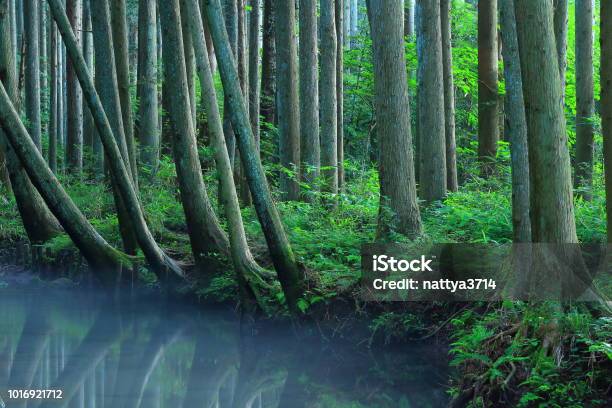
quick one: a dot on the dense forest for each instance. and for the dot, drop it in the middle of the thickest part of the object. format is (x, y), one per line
(242, 151)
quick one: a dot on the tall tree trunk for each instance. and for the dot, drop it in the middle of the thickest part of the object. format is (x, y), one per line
(549, 162)
(246, 268)
(74, 107)
(354, 19)
(243, 73)
(585, 102)
(268, 65)
(432, 135)
(488, 129)
(189, 64)
(309, 95)
(37, 220)
(89, 129)
(231, 25)
(340, 90)
(287, 99)
(346, 22)
(42, 50)
(327, 90)
(53, 97)
(254, 62)
(165, 268)
(561, 27)
(32, 80)
(399, 210)
(515, 125)
(409, 18)
(606, 104)
(147, 124)
(449, 96)
(120, 45)
(289, 274)
(106, 85)
(205, 233)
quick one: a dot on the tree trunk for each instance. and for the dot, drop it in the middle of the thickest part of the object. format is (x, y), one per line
(449, 97)
(89, 129)
(327, 89)
(340, 91)
(39, 223)
(432, 136)
(100, 255)
(120, 45)
(268, 66)
(189, 64)
(399, 210)
(549, 162)
(585, 102)
(246, 268)
(346, 22)
(231, 25)
(488, 129)
(290, 275)
(287, 99)
(53, 97)
(32, 74)
(354, 19)
(254, 61)
(206, 236)
(74, 107)
(42, 50)
(309, 94)
(408, 18)
(515, 125)
(165, 268)
(606, 104)
(243, 73)
(561, 27)
(147, 124)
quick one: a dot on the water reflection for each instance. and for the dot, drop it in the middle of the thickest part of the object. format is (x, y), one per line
(147, 353)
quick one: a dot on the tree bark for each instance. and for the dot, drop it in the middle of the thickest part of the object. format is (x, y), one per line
(408, 18)
(32, 74)
(606, 104)
(449, 97)
(488, 129)
(561, 27)
(287, 102)
(515, 125)
(399, 210)
(74, 106)
(585, 102)
(327, 90)
(165, 268)
(268, 66)
(432, 135)
(39, 223)
(340, 90)
(206, 236)
(289, 274)
(309, 95)
(120, 46)
(88, 54)
(254, 62)
(189, 64)
(53, 97)
(549, 162)
(147, 124)
(247, 269)
(231, 25)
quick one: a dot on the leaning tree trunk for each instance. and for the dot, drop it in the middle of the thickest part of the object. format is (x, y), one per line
(515, 125)
(585, 102)
(74, 107)
(147, 123)
(39, 223)
(449, 97)
(120, 45)
(561, 27)
(327, 90)
(290, 275)
(206, 236)
(549, 161)
(287, 99)
(432, 136)
(606, 104)
(268, 65)
(165, 268)
(309, 94)
(488, 129)
(32, 71)
(399, 210)
(246, 268)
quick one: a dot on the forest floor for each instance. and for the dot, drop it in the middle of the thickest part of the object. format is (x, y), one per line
(504, 352)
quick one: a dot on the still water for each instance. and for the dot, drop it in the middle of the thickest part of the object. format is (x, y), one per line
(150, 353)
